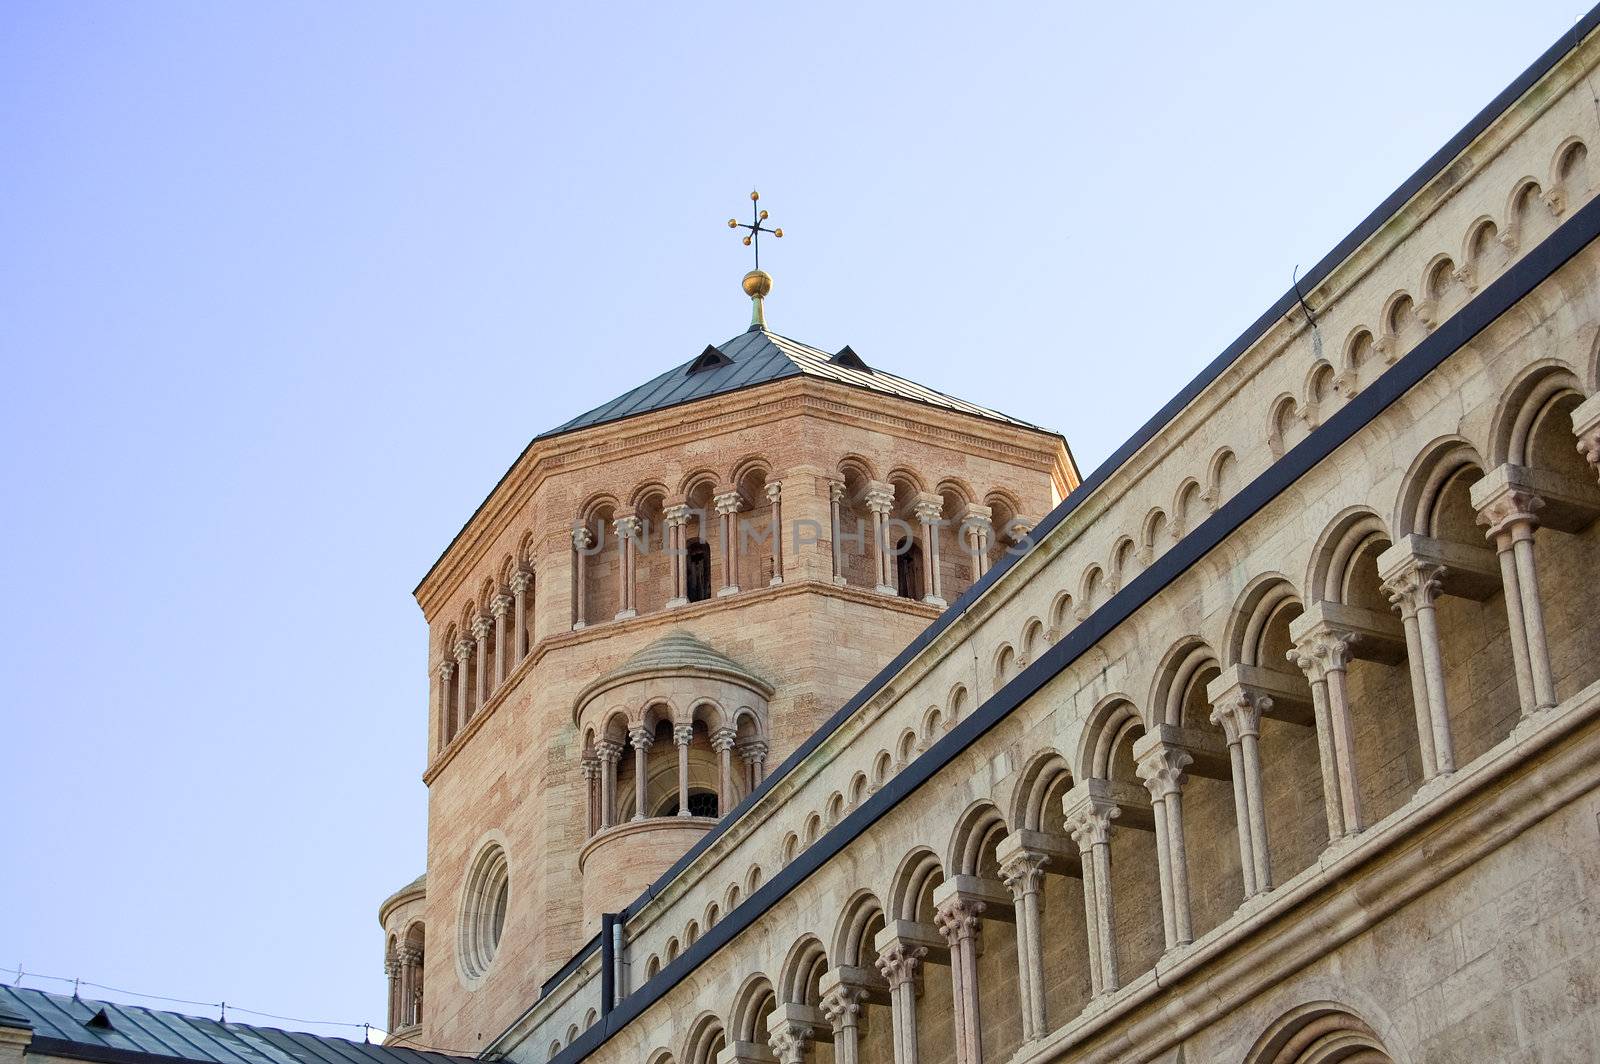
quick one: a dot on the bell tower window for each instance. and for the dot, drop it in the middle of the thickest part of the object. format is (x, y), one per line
(699, 566)
(908, 569)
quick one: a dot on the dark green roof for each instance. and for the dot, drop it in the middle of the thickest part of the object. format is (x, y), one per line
(758, 356)
(131, 1035)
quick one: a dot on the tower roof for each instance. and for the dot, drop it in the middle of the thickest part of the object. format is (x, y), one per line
(677, 651)
(758, 356)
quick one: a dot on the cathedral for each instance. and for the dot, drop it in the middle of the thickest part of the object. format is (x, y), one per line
(784, 710)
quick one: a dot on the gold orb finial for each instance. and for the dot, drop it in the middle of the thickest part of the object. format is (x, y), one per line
(757, 283)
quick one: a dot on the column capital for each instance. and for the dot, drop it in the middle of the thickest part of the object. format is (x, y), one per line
(447, 669)
(1163, 770)
(900, 962)
(928, 507)
(683, 734)
(1239, 710)
(1022, 871)
(1510, 511)
(728, 501)
(582, 537)
(589, 765)
(608, 750)
(641, 737)
(879, 497)
(753, 750)
(1413, 585)
(500, 605)
(408, 955)
(1322, 649)
(521, 580)
(774, 490)
(482, 625)
(677, 514)
(626, 525)
(790, 1039)
(1089, 812)
(836, 490)
(463, 652)
(1586, 426)
(842, 1005)
(959, 917)
(723, 739)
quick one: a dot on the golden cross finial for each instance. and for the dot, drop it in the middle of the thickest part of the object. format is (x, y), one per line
(757, 216)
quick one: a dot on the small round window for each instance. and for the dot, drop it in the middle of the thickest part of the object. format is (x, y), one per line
(483, 911)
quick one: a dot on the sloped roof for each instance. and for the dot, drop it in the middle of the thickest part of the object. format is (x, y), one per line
(759, 356)
(129, 1035)
(675, 651)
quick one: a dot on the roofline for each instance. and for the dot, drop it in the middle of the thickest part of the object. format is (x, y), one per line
(1021, 426)
(1582, 227)
(1492, 303)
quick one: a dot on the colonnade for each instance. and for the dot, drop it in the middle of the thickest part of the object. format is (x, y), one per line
(403, 970)
(465, 680)
(600, 772)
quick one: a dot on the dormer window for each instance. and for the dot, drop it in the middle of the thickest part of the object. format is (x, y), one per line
(710, 358)
(849, 360)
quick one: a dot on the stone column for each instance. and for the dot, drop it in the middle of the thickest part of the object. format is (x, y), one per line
(900, 963)
(1323, 654)
(1022, 871)
(1413, 588)
(627, 529)
(728, 505)
(678, 547)
(929, 509)
(1089, 817)
(521, 638)
(463, 684)
(391, 972)
(447, 721)
(722, 741)
(499, 607)
(582, 541)
(959, 919)
(482, 625)
(880, 500)
(642, 739)
(610, 753)
(1238, 714)
(1586, 426)
(683, 735)
(976, 521)
(835, 505)
(775, 497)
(1162, 770)
(754, 753)
(1510, 517)
(590, 766)
(842, 1007)
(407, 957)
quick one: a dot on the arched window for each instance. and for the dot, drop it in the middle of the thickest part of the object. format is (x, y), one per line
(908, 569)
(699, 565)
(701, 803)
(483, 913)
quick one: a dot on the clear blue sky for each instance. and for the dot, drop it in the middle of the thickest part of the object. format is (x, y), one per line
(285, 287)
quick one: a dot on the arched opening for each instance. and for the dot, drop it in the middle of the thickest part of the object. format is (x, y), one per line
(908, 568)
(1321, 1032)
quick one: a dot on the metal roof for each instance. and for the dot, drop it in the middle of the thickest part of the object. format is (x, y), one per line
(62, 1027)
(758, 356)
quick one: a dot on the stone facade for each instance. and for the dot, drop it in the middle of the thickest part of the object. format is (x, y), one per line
(1280, 744)
(604, 687)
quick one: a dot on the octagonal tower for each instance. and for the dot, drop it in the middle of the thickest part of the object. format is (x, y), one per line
(660, 600)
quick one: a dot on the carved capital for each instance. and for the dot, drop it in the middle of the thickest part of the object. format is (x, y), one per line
(1164, 770)
(842, 1005)
(1089, 818)
(1513, 513)
(464, 652)
(482, 625)
(900, 964)
(589, 765)
(683, 734)
(1023, 872)
(641, 737)
(1238, 713)
(627, 526)
(723, 739)
(728, 502)
(1415, 587)
(836, 491)
(500, 605)
(582, 538)
(753, 751)
(790, 1040)
(774, 491)
(447, 669)
(1321, 651)
(609, 751)
(521, 581)
(959, 919)
(677, 515)
(879, 497)
(928, 508)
